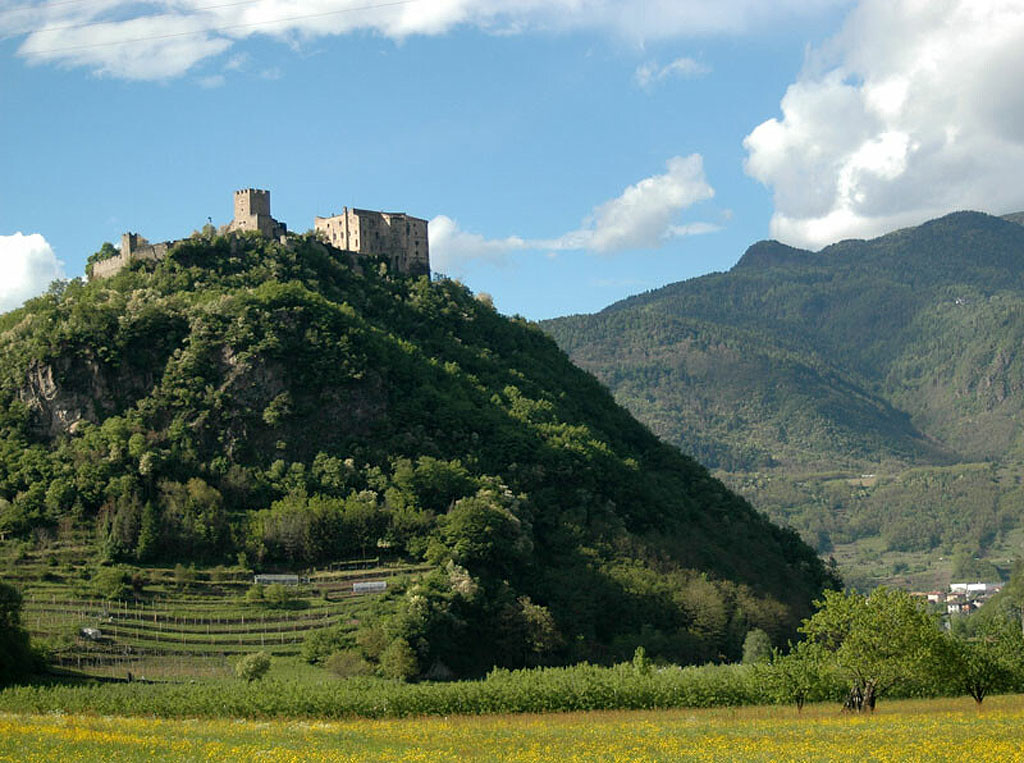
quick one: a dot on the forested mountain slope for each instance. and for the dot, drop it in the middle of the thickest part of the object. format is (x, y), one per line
(276, 401)
(902, 351)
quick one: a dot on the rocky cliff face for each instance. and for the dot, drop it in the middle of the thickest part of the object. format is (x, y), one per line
(64, 391)
(253, 403)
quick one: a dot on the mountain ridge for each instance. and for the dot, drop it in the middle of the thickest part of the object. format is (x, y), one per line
(904, 350)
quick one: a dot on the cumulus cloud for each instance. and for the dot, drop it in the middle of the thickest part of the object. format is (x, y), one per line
(913, 110)
(165, 38)
(650, 74)
(28, 265)
(641, 217)
(450, 245)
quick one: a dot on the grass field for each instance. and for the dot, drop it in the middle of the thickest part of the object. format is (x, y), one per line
(950, 730)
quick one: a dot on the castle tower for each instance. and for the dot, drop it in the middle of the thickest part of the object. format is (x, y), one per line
(251, 201)
(252, 212)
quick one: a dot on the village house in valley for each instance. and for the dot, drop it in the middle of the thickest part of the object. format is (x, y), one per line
(398, 238)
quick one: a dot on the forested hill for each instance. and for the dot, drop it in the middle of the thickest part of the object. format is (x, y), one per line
(246, 399)
(880, 356)
(904, 347)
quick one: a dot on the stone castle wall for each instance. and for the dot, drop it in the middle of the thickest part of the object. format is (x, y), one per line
(133, 248)
(399, 238)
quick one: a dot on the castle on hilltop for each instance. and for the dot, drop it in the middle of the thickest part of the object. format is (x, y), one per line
(252, 212)
(395, 236)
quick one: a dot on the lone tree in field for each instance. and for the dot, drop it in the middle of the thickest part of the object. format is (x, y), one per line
(797, 677)
(992, 660)
(876, 642)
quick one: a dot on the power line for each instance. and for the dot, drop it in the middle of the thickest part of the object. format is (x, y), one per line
(204, 30)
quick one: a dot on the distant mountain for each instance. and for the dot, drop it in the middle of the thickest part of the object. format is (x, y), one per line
(904, 351)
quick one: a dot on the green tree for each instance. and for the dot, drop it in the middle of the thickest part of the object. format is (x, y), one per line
(642, 664)
(279, 596)
(1013, 593)
(876, 643)
(398, 661)
(348, 664)
(105, 252)
(362, 522)
(16, 656)
(990, 662)
(184, 577)
(149, 544)
(757, 646)
(798, 677)
(483, 534)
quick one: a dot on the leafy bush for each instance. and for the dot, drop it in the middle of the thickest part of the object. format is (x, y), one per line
(280, 596)
(112, 582)
(321, 644)
(253, 667)
(255, 594)
(348, 664)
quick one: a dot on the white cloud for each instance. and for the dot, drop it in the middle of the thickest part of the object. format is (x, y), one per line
(28, 266)
(649, 74)
(148, 47)
(110, 37)
(451, 246)
(212, 81)
(913, 110)
(641, 217)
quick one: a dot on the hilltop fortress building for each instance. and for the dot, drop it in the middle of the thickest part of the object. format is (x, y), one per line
(397, 237)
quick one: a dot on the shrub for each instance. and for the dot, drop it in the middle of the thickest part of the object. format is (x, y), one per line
(255, 593)
(279, 596)
(184, 576)
(348, 664)
(112, 583)
(253, 667)
(321, 644)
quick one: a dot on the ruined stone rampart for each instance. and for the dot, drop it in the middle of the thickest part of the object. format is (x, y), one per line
(397, 237)
(133, 248)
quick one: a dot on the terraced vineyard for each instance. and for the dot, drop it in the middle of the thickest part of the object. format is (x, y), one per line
(176, 629)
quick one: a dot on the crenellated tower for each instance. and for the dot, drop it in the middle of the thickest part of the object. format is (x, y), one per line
(252, 212)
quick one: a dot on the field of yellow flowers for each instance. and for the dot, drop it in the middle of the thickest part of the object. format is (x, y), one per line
(900, 731)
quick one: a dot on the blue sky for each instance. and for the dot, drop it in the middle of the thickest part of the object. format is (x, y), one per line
(568, 153)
